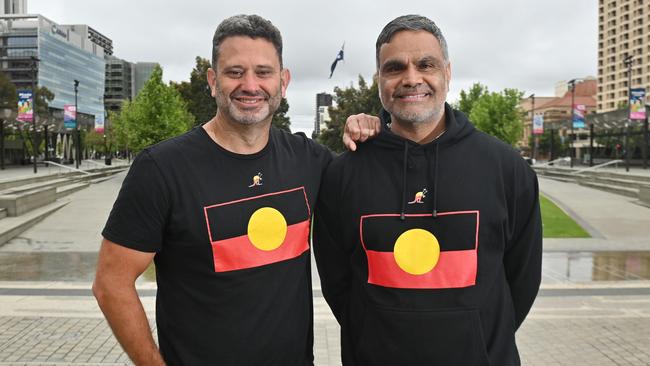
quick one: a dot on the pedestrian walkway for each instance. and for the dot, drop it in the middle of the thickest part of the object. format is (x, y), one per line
(49, 317)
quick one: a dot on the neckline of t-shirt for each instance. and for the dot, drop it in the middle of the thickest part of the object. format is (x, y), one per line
(235, 155)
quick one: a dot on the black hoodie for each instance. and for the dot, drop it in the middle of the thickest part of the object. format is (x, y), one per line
(429, 254)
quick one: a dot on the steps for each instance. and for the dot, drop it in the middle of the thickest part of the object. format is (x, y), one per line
(626, 185)
(10, 227)
(26, 201)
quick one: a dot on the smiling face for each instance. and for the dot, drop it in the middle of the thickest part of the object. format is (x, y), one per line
(248, 83)
(413, 77)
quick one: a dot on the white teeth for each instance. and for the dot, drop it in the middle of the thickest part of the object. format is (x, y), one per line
(418, 96)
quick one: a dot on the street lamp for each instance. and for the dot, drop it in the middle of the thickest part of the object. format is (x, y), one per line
(572, 86)
(628, 61)
(76, 122)
(532, 126)
(34, 112)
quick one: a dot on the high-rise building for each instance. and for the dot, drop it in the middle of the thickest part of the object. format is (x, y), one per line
(141, 73)
(323, 102)
(13, 7)
(622, 32)
(34, 47)
(119, 83)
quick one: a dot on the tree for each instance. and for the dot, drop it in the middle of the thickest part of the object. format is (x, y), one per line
(499, 115)
(8, 93)
(280, 118)
(156, 114)
(196, 92)
(467, 100)
(349, 101)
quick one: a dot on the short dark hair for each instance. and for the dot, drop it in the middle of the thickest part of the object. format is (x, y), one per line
(414, 23)
(253, 26)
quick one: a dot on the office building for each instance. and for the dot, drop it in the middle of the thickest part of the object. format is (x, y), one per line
(54, 55)
(623, 30)
(323, 102)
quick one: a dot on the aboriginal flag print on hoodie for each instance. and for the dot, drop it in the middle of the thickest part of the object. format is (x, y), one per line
(429, 254)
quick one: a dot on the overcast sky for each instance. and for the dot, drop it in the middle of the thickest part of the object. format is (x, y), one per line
(528, 45)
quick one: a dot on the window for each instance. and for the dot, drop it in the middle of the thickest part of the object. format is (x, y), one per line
(22, 41)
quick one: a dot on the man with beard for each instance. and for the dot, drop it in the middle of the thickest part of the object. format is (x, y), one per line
(224, 211)
(428, 238)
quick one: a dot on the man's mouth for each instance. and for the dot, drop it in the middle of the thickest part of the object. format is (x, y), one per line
(413, 97)
(249, 100)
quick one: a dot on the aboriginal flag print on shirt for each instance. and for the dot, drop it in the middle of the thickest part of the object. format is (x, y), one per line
(421, 252)
(259, 230)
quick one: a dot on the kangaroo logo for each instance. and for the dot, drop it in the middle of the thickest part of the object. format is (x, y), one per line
(419, 197)
(257, 180)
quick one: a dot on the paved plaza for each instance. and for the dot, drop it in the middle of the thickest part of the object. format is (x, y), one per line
(593, 309)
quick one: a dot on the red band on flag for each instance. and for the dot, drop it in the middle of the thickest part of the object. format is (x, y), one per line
(454, 269)
(240, 253)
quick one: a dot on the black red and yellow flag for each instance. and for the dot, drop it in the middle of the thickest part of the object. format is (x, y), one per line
(421, 252)
(260, 230)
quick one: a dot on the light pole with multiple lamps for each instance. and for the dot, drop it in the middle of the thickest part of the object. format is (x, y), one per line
(628, 61)
(572, 85)
(34, 110)
(76, 123)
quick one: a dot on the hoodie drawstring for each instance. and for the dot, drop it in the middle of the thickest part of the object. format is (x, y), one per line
(404, 173)
(434, 213)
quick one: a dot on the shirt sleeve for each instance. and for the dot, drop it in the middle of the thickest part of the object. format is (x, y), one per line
(139, 214)
(523, 255)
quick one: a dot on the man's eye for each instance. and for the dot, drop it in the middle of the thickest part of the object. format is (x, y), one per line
(234, 73)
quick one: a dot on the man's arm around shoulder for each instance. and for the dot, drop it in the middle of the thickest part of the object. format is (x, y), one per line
(118, 267)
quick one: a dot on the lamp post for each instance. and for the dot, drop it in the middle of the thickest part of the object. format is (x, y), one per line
(532, 126)
(572, 85)
(34, 148)
(628, 61)
(76, 123)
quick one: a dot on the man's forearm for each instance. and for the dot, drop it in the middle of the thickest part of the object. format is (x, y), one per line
(126, 317)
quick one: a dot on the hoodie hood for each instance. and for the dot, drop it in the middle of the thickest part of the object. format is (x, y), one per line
(457, 127)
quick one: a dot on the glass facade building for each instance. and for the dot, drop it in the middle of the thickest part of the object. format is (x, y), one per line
(63, 56)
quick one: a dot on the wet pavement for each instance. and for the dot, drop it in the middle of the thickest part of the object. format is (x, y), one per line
(558, 267)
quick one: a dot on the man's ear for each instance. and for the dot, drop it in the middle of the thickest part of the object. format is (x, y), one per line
(285, 78)
(212, 81)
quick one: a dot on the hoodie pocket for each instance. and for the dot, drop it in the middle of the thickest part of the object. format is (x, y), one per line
(412, 338)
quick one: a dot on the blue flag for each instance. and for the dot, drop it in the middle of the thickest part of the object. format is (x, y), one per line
(339, 57)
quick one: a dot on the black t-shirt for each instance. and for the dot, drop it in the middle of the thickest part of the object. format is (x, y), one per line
(231, 237)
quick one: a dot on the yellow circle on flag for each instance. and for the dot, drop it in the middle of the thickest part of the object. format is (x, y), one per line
(416, 251)
(267, 228)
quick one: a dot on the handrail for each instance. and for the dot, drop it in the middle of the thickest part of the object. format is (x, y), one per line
(598, 166)
(67, 167)
(553, 161)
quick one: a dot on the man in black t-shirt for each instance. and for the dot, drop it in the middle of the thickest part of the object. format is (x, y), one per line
(224, 211)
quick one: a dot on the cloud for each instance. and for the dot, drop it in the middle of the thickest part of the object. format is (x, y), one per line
(525, 45)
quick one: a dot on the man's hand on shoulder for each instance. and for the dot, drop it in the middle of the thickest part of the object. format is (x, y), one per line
(359, 128)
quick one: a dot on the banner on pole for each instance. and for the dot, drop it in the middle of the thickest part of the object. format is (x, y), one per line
(579, 111)
(69, 116)
(637, 103)
(99, 123)
(538, 124)
(25, 106)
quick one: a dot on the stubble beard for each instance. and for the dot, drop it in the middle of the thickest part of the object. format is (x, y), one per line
(226, 106)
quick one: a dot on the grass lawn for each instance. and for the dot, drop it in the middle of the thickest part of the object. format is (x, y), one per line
(558, 224)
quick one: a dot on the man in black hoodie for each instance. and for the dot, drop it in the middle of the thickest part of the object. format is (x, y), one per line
(428, 239)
